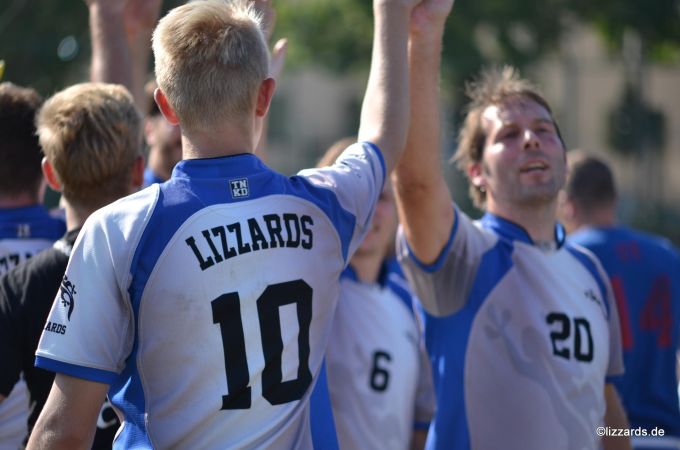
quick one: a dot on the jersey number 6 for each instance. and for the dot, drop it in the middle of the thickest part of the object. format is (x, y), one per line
(226, 311)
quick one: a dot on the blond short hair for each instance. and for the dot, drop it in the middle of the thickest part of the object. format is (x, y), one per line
(91, 134)
(210, 59)
(494, 87)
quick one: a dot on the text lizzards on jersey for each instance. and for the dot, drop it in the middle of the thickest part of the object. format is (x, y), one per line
(521, 338)
(206, 301)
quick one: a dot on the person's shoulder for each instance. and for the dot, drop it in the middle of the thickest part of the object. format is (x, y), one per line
(128, 209)
(355, 153)
(653, 240)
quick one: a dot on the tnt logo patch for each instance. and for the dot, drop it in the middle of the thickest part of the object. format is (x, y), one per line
(239, 188)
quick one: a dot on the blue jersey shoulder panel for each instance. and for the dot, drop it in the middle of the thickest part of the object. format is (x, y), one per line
(591, 266)
(448, 360)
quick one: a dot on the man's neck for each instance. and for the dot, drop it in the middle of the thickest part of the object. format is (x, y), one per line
(75, 216)
(538, 221)
(599, 218)
(229, 140)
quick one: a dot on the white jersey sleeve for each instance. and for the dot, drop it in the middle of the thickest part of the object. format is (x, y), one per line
(90, 329)
(444, 285)
(357, 178)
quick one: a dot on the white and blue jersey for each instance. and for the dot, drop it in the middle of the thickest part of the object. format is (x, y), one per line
(206, 302)
(24, 231)
(520, 338)
(645, 275)
(379, 379)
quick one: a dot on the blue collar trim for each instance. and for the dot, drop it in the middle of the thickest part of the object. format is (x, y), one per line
(514, 232)
(240, 165)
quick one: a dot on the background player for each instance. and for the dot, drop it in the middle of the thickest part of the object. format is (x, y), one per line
(163, 139)
(25, 225)
(511, 313)
(645, 274)
(224, 355)
(91, 136)
(379, 377)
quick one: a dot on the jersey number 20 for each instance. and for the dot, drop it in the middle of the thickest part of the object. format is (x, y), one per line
(226, 311)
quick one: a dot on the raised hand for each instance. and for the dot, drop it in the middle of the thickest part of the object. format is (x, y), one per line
(278, 58)
(430, 15)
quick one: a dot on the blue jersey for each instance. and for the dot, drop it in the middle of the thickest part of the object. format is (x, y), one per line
(645, 274)
(206, 302)
(521, 338)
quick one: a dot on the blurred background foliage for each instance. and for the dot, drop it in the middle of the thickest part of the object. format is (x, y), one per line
(46, 44)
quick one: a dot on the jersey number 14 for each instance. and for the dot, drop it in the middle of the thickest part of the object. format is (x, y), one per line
(226, 310)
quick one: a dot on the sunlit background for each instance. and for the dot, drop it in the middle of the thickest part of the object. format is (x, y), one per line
(610, 68)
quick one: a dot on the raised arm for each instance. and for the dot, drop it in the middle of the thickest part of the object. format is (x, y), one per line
(384, 112)
(140, 19)
(111, 62)
(423, 199)
(121, 42)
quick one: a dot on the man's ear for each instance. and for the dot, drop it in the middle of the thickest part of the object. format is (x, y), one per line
(165, 107)
(50, 175)
(476, 175)
(264, 97)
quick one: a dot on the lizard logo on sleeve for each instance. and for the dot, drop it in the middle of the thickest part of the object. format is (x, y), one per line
(68, 291)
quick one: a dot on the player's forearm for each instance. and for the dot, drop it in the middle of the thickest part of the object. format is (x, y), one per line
(615, 417)
(420, 164)
(140, 52)
(423, 198)
(110, 53)
(139, 20)
(384, 113)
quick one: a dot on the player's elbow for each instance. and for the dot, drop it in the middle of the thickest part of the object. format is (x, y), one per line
(391, 142)
(56, 431)
(413, 184)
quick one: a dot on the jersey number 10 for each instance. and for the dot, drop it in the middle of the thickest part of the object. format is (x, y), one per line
(226, 311)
